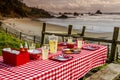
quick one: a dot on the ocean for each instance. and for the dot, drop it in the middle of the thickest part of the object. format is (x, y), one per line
(100, 23)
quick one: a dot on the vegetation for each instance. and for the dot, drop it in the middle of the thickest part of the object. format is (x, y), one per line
(7, 40)
(94, 70)
(98, 68)
(15, 8)
(39, 13)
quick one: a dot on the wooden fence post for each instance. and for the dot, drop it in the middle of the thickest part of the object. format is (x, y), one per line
(83, 30)
(34, 39)
(63, 38)
(6, 30)
(108, 52)
(20, 35)
(0, 23)
(69, 30)
(114, 44)
(116, 54)
(43, 35)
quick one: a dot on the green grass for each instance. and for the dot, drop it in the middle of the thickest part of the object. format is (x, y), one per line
(118, 60)
(7, 40)
(99, 68)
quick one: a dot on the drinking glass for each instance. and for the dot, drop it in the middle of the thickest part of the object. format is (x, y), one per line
(79, 42)
(32, 46)
(70, 40)
(45, 51)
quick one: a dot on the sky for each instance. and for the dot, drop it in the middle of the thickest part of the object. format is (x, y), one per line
(76, 5)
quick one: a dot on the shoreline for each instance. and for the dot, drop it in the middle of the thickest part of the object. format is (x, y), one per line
(34, 27)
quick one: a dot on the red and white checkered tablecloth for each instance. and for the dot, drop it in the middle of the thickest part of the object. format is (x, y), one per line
(54, 70)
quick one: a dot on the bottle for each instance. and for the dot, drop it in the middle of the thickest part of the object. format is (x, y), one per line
(26, 47)
(21, 48)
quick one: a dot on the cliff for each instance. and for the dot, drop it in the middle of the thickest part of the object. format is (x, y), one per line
(16, 8)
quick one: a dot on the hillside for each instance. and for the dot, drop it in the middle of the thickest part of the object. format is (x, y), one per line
(15, 8)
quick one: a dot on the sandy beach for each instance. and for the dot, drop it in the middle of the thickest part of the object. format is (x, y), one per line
(31, 26)
(34, 27)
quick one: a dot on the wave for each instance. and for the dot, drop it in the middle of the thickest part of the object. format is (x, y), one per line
(101, 23)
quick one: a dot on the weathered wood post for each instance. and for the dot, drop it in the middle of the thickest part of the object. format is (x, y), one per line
(20, 35)
(108, 53)
(34, 39)
(83, 31)
(6, 30)
(43, 35)
(117, 54)
(114, 43)
(69, 30)
(0, 23)
(63, 38)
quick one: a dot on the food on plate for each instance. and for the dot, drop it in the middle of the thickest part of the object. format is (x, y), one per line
(71, 51)
(67, 51)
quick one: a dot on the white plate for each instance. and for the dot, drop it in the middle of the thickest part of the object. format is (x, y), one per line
(61, 58)
(34, 51)
(7, 49)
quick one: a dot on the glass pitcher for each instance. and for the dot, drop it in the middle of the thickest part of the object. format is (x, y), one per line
(53, 40)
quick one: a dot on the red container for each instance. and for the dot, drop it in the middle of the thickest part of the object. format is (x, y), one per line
(34, 54)
(70, 45)
(15, 60)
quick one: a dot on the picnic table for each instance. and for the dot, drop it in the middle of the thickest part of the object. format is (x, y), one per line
(48, 69)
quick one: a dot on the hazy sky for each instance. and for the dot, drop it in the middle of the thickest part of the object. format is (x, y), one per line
(76, 5)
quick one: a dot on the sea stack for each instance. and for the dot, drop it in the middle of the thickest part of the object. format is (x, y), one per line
(98, 12)
(63, 16)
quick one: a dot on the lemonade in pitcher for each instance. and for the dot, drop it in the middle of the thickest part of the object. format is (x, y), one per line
(53, 46)
(53, 40)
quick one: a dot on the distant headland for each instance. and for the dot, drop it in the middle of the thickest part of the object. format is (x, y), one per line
(16, 8)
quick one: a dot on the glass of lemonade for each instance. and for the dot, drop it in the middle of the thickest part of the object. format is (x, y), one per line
(79, 42)
(45, 51)
(53, 40)
(70, 40)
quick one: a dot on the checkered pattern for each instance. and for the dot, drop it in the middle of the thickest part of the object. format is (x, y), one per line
(54, 70)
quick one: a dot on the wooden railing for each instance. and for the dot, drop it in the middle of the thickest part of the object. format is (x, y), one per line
(44, 32)
(114, 41)
(20, 35)
(36, 39)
